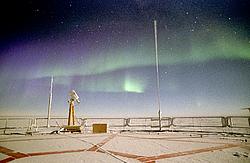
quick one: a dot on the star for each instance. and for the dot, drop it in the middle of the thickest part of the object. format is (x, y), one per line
(36, 10)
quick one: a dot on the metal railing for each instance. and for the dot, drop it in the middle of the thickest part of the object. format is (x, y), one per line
(225, 124)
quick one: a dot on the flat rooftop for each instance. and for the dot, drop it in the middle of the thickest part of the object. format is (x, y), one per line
(131, 147)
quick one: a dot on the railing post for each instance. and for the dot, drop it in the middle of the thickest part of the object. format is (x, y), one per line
(171, 122)
(6, 125)
(126, 121)
(224, 121)
(35, 122)
(229, 121)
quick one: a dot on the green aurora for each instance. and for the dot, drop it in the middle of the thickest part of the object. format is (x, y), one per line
(203, 46)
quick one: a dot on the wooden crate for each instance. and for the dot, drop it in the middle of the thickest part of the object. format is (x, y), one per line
(100, 128)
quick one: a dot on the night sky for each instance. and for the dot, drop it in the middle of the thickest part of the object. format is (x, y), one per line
(104, 49)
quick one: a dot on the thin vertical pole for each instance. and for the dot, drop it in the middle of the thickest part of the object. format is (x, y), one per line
(50, 101)
(157, 74)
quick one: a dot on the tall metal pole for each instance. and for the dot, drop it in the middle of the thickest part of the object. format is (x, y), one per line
(157, 74)
(50, 101)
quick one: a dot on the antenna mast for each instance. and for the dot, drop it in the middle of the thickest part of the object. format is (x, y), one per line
(157, 74)
(50, 101)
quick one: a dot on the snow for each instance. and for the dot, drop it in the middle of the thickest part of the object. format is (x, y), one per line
(130, 143)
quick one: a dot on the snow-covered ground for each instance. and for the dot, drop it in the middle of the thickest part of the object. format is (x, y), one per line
(125, 147)
(128, 140)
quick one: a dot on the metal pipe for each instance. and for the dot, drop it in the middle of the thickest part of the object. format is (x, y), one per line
(157, 74)
(50, 101)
